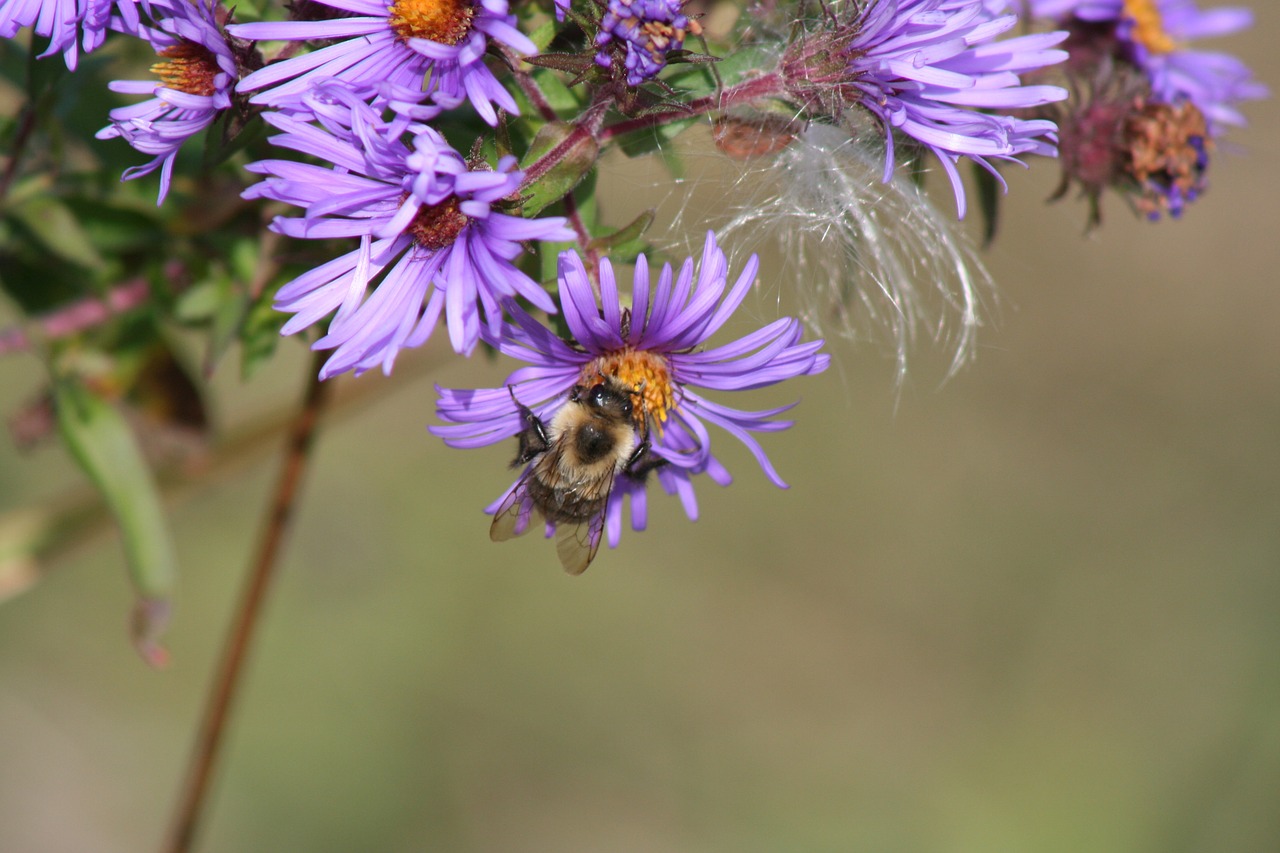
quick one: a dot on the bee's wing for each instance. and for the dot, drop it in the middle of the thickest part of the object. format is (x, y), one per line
(576, 544)
(513, 515)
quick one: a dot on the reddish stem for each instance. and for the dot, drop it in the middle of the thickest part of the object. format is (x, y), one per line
(755, 89)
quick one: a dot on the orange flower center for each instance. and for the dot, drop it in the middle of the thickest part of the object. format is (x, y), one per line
(190, 68)
(647, 372)
(1148, 27)
(441, 21)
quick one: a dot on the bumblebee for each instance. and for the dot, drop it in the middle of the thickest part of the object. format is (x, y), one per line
(573, 463)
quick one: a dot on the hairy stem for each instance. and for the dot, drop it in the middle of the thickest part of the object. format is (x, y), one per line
(755, 89)
(209, 739)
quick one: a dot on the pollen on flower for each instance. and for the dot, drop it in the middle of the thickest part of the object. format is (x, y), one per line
(441, 21)
(1168, 150)
(439, 225)
(1148, 27)
(647, 372)
(190, 68)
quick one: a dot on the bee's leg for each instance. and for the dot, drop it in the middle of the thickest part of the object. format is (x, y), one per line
(533, 435)
(642, 461)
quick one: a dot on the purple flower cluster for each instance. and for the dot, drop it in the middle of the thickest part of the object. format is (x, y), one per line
(925, 68)
(431, 241)
(647, 30)
(197, 75)
(69, 25)
(655, 344)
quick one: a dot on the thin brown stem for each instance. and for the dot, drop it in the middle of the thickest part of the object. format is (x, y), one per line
(26, 126)
(584, 238)
(226, 683)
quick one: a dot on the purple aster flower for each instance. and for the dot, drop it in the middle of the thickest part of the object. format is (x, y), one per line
(648, 30)
(68, 24)
(1154, 34)
(655, 346)
(196, 76)
(924, 68)
(439, 44)
(430, 238)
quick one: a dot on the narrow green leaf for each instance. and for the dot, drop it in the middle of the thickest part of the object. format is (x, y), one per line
(623, 245)
(260, 334)
(988, 202)
(56, 228)
(102, 443)
(542, 35)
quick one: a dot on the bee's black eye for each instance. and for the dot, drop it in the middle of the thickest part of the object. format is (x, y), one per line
(626, 408)
(599, 394)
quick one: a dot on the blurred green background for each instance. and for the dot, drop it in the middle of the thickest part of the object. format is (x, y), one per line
(1035, 608)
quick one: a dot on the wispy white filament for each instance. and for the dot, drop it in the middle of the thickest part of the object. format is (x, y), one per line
(866, 258)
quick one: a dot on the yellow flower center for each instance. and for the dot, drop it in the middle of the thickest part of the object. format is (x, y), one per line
(441, 21)
(647, 372)
(191, 68)
(1148, 28)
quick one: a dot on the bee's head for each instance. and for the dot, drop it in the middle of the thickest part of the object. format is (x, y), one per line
(606, 396)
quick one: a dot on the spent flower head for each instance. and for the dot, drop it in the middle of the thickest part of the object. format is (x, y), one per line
(656, 345)
(432, 47)
(197, 72)
(1147, 106)
(431, 240)
(924, 68)
(1155, 36)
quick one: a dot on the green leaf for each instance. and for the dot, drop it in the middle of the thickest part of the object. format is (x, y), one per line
(561, 98)
(103, 445)
(577, 153)
(260, 334)
(232, 305)
(198, 303)
(542, 35)
(115, 226)
(623, 245)
(52, 224)
(988, 187)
